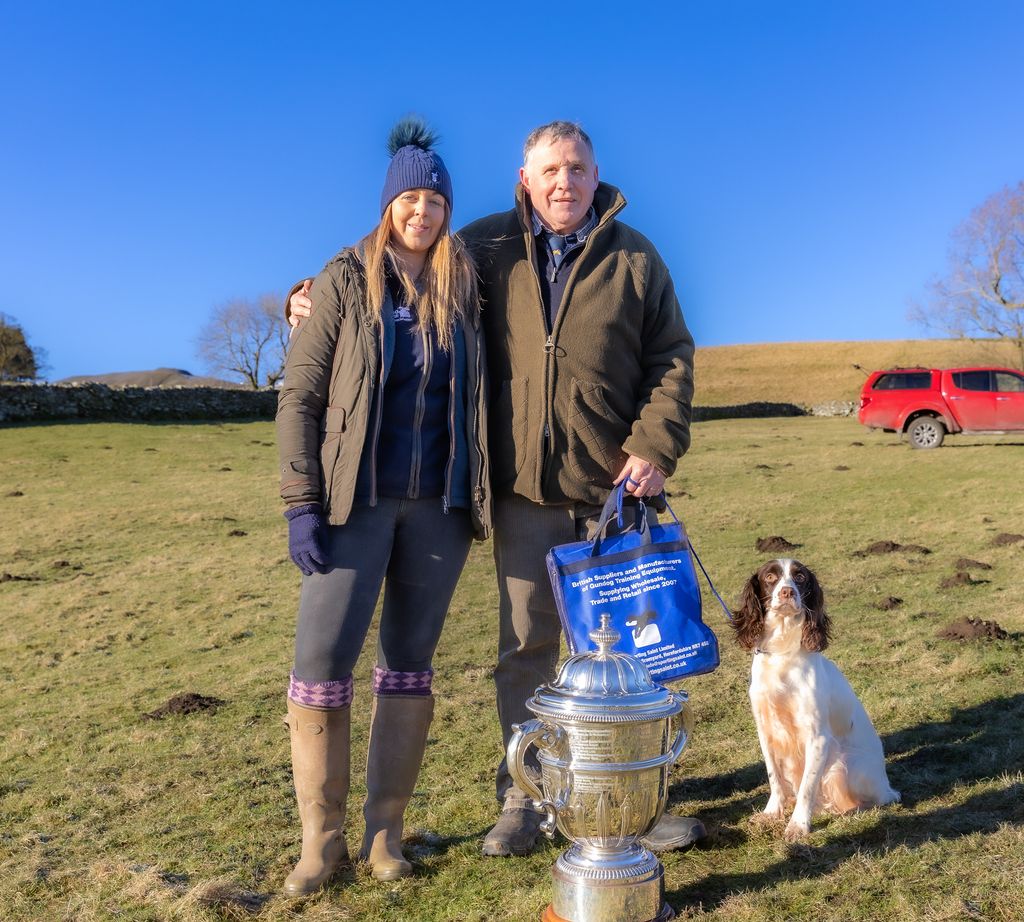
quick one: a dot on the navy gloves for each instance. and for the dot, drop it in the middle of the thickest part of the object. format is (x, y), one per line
(307, 537)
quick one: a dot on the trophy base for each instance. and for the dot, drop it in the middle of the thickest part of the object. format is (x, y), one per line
(615, 884)
(549, 915)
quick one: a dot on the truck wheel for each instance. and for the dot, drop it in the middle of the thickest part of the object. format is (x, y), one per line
(926, 432)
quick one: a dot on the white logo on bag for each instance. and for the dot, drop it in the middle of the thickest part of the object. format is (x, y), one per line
(648, 636)
(645, 631)
(403, 314)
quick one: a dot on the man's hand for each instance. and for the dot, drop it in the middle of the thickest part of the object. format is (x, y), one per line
(642, 478)
(299, 307)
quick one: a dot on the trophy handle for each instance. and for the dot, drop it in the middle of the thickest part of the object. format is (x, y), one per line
(523, 737)
(685, 723)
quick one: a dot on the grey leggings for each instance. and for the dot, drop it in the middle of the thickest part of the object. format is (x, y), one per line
(419, 550)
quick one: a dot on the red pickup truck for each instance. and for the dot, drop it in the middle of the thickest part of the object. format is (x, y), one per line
(926, 403)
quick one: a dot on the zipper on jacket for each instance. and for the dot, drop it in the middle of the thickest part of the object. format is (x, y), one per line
(376, 426)
(478, 398)
(417, 423)
(446, 496)
(531, 247)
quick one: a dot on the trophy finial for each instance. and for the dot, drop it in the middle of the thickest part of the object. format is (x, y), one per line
(605, 636)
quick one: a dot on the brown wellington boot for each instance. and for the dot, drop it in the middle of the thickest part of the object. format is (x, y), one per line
(320, 767)
(398, 736)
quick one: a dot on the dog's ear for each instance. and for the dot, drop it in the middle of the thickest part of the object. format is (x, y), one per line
(748, 620)
(817, 630)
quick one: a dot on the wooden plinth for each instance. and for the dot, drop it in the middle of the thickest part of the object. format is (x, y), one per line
(667, 913)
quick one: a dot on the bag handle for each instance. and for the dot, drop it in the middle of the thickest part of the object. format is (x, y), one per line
(614, 505)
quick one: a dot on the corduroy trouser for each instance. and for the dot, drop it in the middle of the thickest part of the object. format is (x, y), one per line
(529, 631)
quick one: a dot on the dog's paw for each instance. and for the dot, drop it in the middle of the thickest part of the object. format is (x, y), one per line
(797, 831)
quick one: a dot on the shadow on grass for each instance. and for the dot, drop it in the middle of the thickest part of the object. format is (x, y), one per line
(984, 813)
(924, 762)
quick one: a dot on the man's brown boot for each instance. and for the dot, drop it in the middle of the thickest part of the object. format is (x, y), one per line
(320, 767)
(398, 737)
(516, 832)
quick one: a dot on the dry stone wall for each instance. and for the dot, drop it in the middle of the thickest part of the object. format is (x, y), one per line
(44, 402)
(41, 402)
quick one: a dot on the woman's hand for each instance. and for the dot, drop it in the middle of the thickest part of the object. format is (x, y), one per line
(306, 538)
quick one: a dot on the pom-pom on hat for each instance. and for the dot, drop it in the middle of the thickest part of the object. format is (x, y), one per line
(414, 163)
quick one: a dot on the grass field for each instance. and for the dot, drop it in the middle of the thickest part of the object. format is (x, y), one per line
(138, 562)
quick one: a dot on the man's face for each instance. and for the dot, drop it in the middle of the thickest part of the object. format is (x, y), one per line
(561, 178)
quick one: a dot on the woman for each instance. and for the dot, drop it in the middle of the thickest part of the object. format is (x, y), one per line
(381, 428)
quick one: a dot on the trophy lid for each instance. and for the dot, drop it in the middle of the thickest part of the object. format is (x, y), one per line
(604, 685)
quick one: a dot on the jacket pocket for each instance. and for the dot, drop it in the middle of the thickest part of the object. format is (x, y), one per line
(595, 435)
(332, 427)
(509, 426)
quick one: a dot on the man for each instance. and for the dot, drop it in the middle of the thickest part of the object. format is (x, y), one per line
(591, 371)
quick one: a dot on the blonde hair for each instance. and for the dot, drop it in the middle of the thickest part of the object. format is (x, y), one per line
(446, 290)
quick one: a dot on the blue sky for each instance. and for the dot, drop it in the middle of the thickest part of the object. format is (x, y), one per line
(799, 165)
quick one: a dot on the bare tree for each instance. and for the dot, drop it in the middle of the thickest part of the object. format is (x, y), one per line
(246, 338)
(18, 360)
(982, 293)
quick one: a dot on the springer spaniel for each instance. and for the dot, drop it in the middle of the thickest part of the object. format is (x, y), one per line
(819, 745)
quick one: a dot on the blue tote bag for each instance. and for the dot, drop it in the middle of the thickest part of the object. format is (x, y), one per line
(643, 578)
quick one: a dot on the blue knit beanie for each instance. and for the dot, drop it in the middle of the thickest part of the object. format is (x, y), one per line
(414, 164)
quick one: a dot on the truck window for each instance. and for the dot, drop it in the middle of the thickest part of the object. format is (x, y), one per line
(1007, 382)
(904, 381)
(972, 380)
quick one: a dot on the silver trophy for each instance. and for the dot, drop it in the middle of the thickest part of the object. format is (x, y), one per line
(604, 744)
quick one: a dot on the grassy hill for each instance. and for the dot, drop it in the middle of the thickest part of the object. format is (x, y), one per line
(807, 373)
(158, 377)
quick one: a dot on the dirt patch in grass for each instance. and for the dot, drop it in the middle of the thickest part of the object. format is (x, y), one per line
(775, 544)
(960, 578)
(237, 533)
(840, 467)
(965, 563)
(66, 565)
(892, 547)
(18, 578)
(973, 629)
(14, 493)
(1006, 538)
(228, 899)
(188, 703)
(889, 604)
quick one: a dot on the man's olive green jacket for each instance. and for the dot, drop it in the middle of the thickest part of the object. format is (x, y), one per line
(613, 378)
(331, 374)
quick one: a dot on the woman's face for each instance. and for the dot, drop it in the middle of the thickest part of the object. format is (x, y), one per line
(417, 217)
